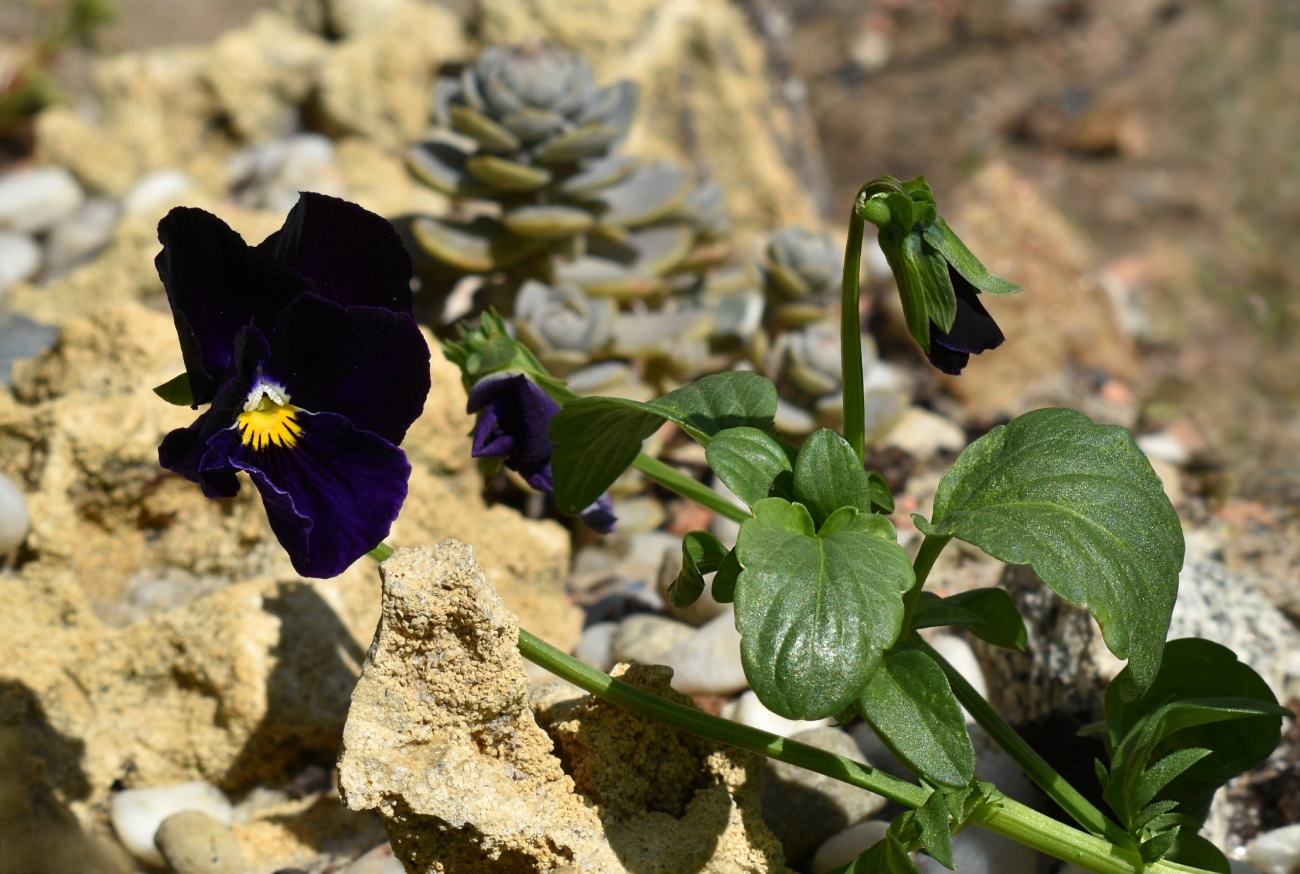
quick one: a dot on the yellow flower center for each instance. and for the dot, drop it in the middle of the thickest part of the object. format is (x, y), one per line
(268, 418)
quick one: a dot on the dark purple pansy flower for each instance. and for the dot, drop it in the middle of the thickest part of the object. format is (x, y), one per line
(306, 348)
(514, 417)
(973, 332)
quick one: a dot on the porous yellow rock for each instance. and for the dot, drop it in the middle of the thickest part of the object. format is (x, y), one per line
(442, 705)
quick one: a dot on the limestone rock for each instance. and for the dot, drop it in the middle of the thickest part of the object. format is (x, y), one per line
(377, 83)
(703, 71)
(1063, 319)
(442, 704)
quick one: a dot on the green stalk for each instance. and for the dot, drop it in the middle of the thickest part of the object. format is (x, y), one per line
(1035, 767)
(688, 487)
(931, 546)
(855, 412)
(1004, 816)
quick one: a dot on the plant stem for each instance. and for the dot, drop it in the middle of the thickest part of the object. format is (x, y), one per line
(381, 553)
(931, 546)
(1035, 767)
(1004, 816)
(855, 413)
(688, 487)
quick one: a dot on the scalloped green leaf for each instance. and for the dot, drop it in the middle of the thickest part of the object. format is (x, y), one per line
(597, 438)
(816, 610)
(828, 476)
(1080, 502)
(752, 463)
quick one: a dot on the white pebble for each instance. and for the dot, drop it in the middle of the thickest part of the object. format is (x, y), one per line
(20, 258)
(137, 813)
(33, 200)
(1276, 852)
(924, 434)
(14, 520)
(977, 851)
(959, 654)
(380, 860)
(156, 193)
(1164, 447)
(708, 663)
(748, 710)
(596, 646)
(993, 765)
(846, 846)
(645, 637)
(80, 235)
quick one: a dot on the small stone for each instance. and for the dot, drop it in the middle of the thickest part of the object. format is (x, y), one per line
(1164, 446)
(792, 419)
(804, 808)
(194, 843)
(596, 646)
(639, 515)
(270, 175)
(156, 193)
(708, 663)
(748, 710)
(1171, 478)
(843, 848)
(380, 860)
(925, 434)
(80, 235)
(137, 813)
(20, 258)
(977, 851)
(14, 520)
(645, 637)
(959, 654)
(1276, 852)
(629, 558)
(21, 337)
(34, 200)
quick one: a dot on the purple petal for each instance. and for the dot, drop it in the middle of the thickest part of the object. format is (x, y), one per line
(186, 450)
(216, 284)
(973, 331)
(599, 517)
(368, 364)
(354, 257)
(332, 496)
(489, 440)
(522, 413)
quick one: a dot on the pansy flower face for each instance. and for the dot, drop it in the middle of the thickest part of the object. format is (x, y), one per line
(307, 351)
(514, 418)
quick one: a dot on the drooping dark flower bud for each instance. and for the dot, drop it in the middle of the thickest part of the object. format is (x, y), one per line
(938, 278)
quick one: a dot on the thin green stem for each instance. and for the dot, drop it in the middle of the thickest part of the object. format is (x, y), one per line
(1035, 767)
(855, 413)
(381, 553)
(1004, 816)
(688, 487)
(931, 546)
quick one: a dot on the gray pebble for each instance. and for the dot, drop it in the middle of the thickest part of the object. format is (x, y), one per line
(80, 235)
(21, 337)
(804, 808)
(34, 200)
(20, 258)
(708, 662)
(380, 860)
(194, 843)
(596, 646)
(14, 520)
(645, 637)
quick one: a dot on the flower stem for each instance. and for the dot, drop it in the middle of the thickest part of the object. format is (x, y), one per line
(931, 546)
(688, 487)
(381, 553)
(1003, 816)
(855, 413)
(1035, 767)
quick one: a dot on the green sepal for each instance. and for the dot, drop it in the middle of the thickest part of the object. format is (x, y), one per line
(914, 712)
(702, 553)
(989, 614)
(954, 251)
(489, 349)
(597, 438)
(177, 391)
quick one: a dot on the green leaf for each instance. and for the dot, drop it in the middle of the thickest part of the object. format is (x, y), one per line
(924, 286)
(882, 499)
(989, 614)
(1159, 775)
(828, 476)
(597, 438)
(816, 610)
(1080, 502)
(954, 251)
(702, 553)
(724, 581)
(914, 712)
(1203, 697)
(1154, 849)
(1194, 850)
(752, 463)
(177, 391)
(887, 856)
(933, 830)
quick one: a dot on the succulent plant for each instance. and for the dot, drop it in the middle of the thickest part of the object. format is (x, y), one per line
(562, 325)
(802, 275)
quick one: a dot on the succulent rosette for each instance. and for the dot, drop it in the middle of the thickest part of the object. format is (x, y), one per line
(939, 280)
(306, 350)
